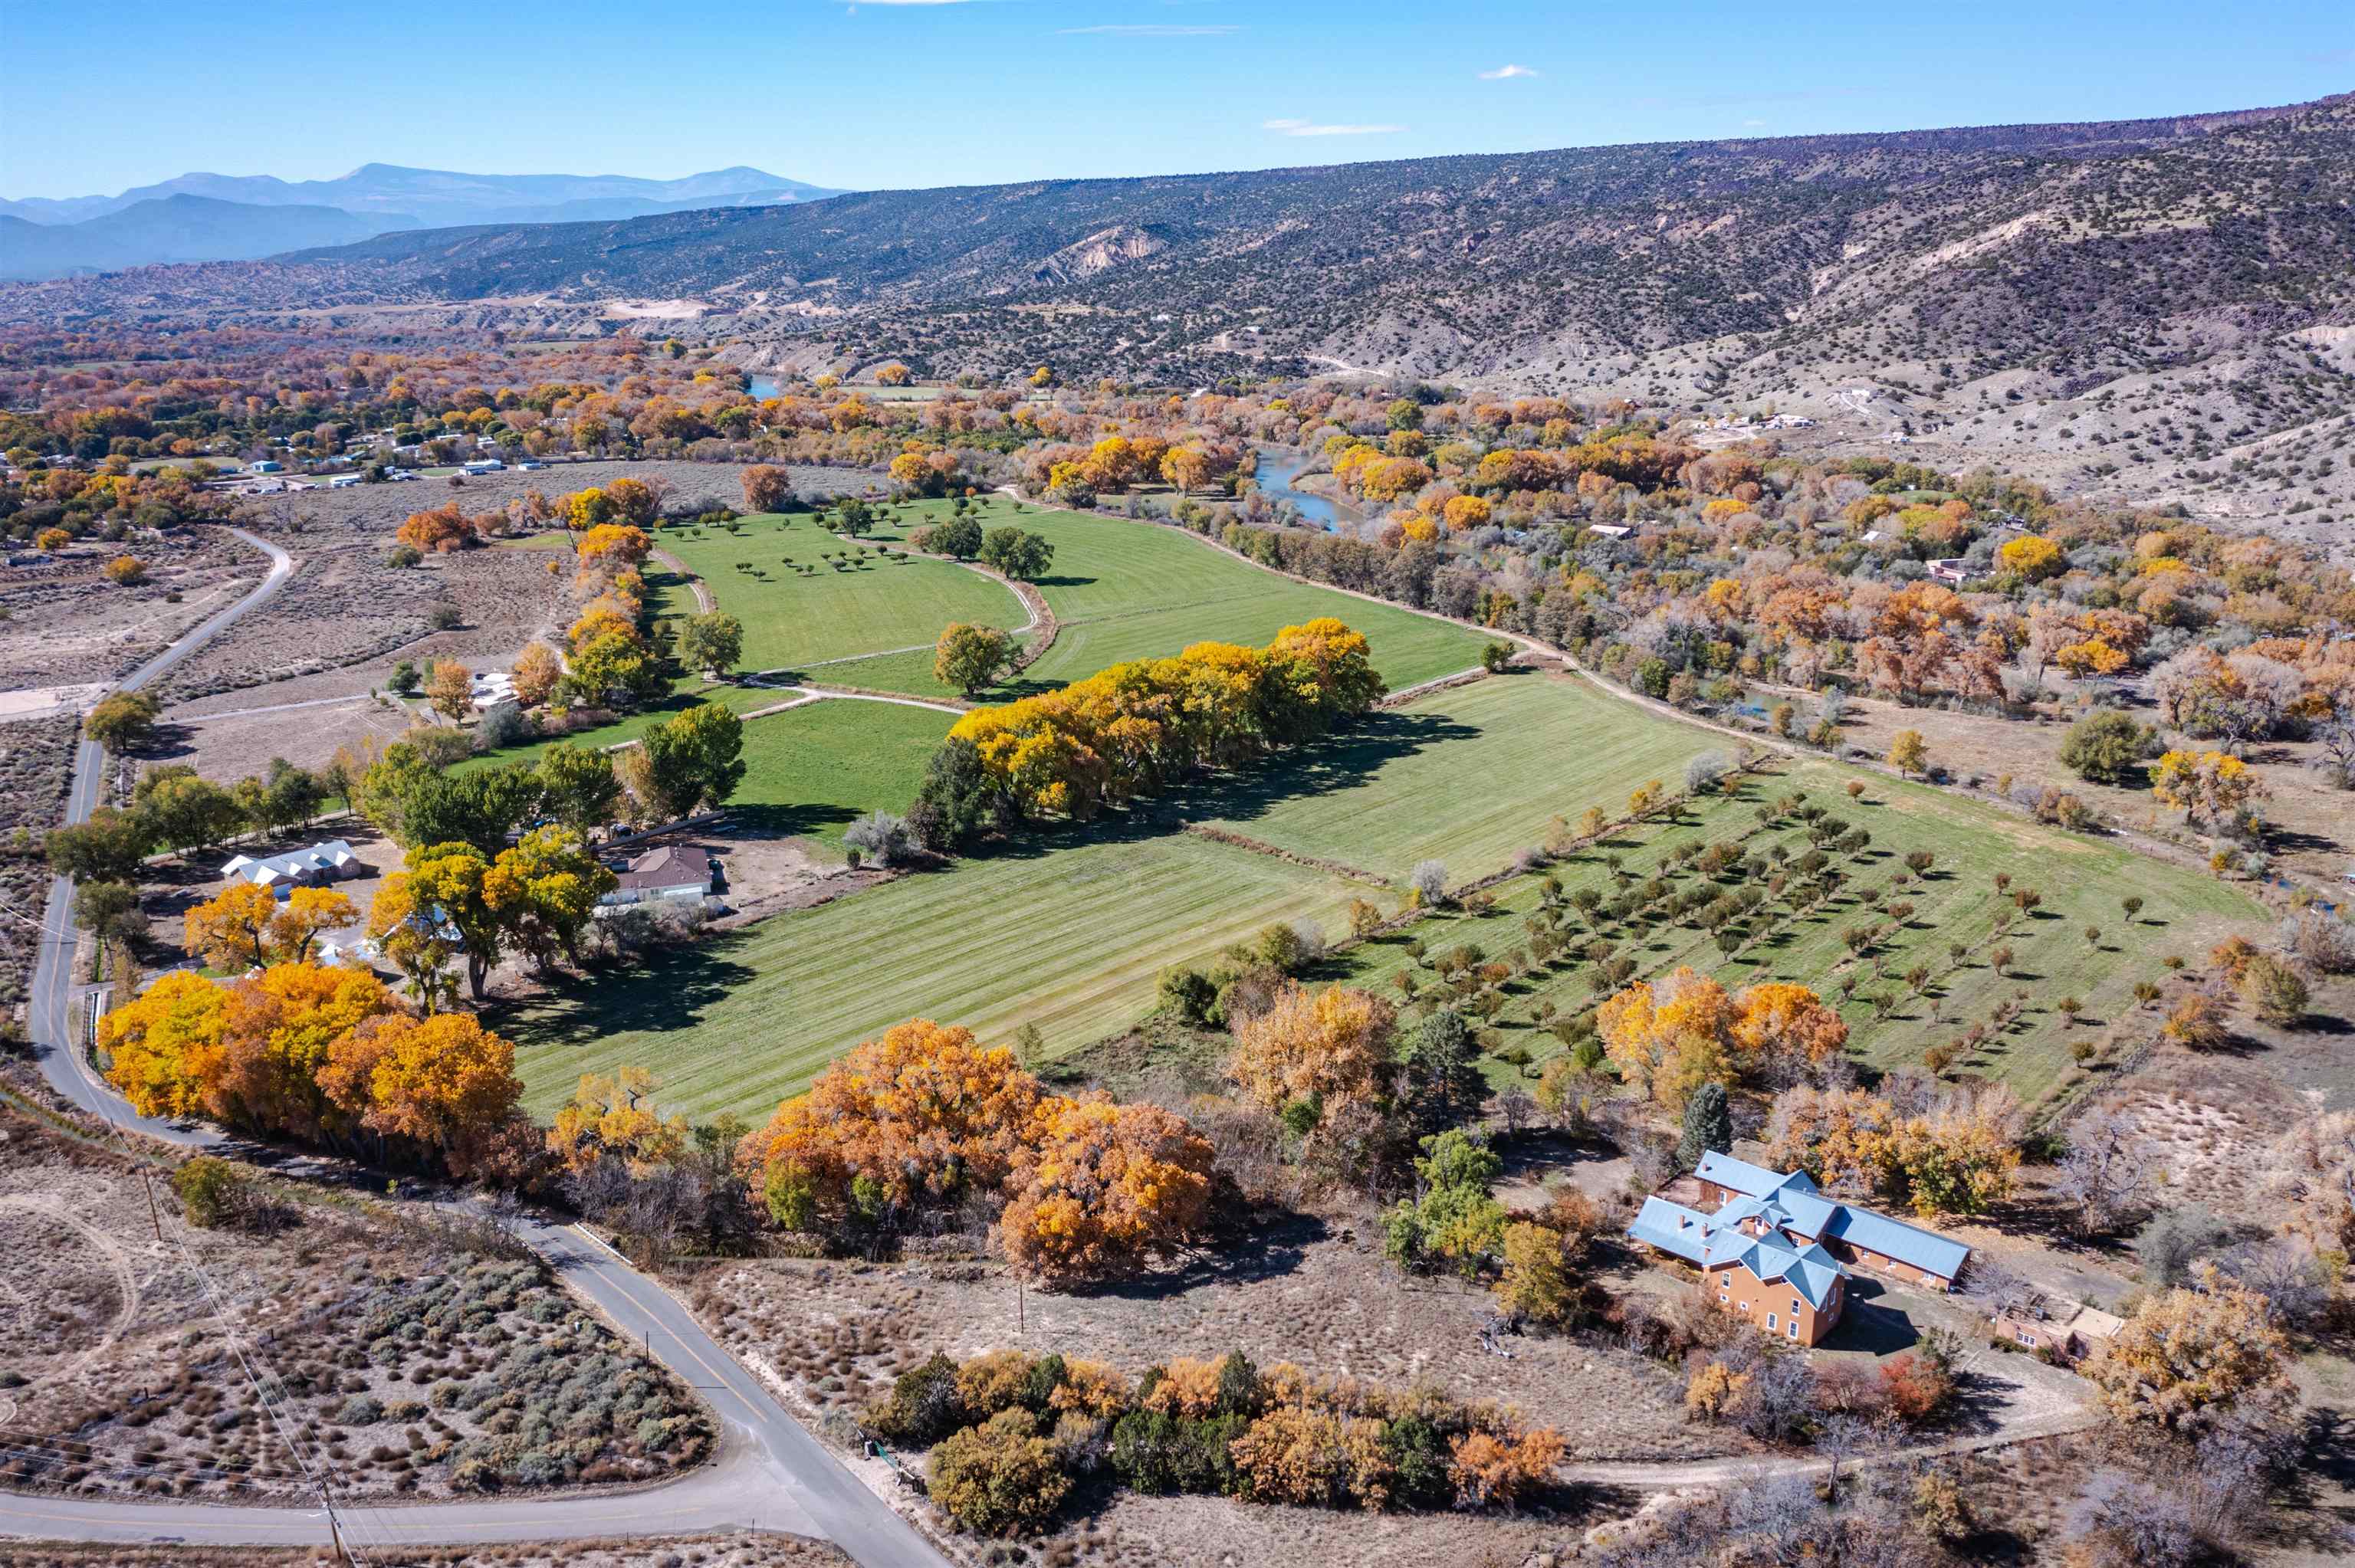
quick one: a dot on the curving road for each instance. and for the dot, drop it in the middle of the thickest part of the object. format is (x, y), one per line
(770, 1472)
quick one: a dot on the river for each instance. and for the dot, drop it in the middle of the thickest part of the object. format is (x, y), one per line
(1278, 467)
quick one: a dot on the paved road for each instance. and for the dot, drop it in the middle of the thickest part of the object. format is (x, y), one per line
(771, 1473)
(50, 1016)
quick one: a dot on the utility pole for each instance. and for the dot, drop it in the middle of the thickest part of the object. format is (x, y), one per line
(148, 1183)
(335, 1529)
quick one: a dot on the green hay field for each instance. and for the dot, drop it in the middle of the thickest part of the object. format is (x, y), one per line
(1069, 935)
(1468, 777)
(1123, 590)
(817, 769)
(794, 620)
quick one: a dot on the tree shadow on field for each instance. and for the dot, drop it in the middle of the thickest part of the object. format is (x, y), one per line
(800, 820)
(1338, 763)
(1252, 1252)
(612, 1000)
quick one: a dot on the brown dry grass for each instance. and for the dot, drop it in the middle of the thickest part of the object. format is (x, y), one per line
(2318, 822)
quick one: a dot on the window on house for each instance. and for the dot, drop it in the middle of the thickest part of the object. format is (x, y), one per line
(1795, 1328)
(1742, 1305)
(1725, 1296)
(1770, 1322)
(1795, 1306)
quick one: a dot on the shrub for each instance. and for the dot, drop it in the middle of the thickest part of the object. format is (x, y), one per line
(1296, 1455)
(1492, 1471)
(1001, 1478)
(880, 836)
(2107, 747)
(2274, 993)
(212, 1191)
(361, 1410)
(924, 1405)
(1161, 1455)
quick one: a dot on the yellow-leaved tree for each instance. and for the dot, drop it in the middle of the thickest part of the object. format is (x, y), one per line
(1313, 1053)
(1103, 1190)
(614, 1117)
(2191, 1357)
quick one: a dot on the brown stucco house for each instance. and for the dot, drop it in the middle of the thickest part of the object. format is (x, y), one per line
(1772, 1249)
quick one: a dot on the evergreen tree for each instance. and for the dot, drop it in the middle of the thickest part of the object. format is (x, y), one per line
(1709, 1125)
(1443, 1069)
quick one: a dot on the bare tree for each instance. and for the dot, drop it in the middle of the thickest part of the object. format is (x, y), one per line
(1838, 1439)
(1998, 1288)
(2108, 1174)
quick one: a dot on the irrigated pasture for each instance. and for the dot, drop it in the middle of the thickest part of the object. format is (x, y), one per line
(1123, 590)
(1070, 930)
(815, 769)
(1519, 751)
(1069, 933)
(807, 596)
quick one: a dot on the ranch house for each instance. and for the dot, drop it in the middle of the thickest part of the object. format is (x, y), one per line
(314, 867)
(1773, 1250)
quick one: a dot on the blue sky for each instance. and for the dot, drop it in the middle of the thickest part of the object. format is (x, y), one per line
(893, 93)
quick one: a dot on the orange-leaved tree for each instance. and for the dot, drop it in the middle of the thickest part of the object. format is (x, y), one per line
(921, 1113)
(443, 1085)
(1103, 1188)
(230, 930)
(276, 1035)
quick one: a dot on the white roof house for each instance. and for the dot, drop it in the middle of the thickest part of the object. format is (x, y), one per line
(334, 861)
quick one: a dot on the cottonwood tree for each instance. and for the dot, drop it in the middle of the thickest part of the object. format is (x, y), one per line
(713, 642)
(578, 787)
(2190, 1359)
(2109, 1173)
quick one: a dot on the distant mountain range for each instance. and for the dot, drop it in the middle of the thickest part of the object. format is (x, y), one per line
(172, 228)
(227, 218)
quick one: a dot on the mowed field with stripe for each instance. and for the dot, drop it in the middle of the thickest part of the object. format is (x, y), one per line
(1071, 930)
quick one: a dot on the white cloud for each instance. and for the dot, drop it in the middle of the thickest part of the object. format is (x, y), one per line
(1506, 73)
(1156, 30)
(1752, 124)
(1305, 128)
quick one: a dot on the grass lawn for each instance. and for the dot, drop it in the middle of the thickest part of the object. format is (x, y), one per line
(1068, 934)
(817, 769)
(1469, 776)
(1123, 590)
(792, 620)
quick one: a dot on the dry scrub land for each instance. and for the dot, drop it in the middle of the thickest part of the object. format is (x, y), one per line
(743, 1550)
(345, 609)
(421, 1364)
(35, 771)
(64, 624)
